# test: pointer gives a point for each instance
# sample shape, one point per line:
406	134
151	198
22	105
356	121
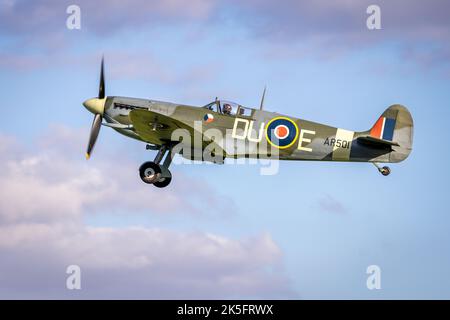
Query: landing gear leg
385	171
166	175
152	172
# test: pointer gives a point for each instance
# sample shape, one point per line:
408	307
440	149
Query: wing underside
154	127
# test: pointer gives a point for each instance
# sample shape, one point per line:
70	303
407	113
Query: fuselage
249	132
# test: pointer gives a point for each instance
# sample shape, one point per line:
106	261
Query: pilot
226	108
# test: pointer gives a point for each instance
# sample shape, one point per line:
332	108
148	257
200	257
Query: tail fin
394	128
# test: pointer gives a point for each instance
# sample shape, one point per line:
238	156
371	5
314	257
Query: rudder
395	125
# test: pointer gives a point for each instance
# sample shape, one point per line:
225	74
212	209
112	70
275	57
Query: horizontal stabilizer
377	142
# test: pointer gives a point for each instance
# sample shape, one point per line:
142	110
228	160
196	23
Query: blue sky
309	231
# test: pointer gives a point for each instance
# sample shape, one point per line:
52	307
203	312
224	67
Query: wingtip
87	156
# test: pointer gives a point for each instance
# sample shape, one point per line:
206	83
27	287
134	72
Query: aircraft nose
95	105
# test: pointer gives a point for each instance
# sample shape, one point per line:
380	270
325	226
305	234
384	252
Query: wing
157	129
154	127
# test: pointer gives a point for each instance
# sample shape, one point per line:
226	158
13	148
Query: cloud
46	194
35	34
329	204
329	29
136	262
36	185
100	17
19	63
345	20
146	66
416	31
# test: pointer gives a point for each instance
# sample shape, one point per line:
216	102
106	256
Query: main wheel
385	171
149	172
163	182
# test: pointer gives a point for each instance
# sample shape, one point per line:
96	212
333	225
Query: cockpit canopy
228	108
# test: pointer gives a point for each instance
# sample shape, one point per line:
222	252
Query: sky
222	231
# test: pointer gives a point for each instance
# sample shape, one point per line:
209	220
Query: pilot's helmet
226	107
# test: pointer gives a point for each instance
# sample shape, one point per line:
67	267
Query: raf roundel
208	118
281	132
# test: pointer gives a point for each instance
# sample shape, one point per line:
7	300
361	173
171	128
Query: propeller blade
101	87
96	124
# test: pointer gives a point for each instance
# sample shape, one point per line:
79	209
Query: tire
165	181
162	183
149	172
385	171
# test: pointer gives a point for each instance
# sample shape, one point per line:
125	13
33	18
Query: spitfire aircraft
230	130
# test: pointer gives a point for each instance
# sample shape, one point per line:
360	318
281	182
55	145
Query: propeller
101	87
97	107
95	129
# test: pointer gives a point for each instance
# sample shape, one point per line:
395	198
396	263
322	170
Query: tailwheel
164	181
150	172
385	171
